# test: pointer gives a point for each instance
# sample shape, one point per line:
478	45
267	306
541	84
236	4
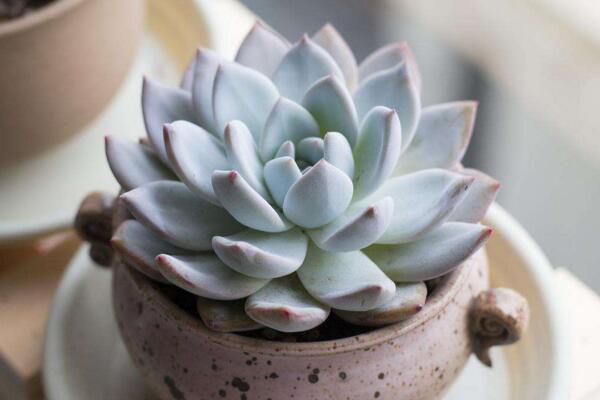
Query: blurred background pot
61	64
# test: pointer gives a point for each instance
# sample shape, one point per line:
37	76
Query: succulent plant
293	182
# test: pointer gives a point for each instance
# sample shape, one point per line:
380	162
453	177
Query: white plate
41	195
85	359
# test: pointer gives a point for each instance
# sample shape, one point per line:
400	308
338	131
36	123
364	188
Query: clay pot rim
435	304
46	13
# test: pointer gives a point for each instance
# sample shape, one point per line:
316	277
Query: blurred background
534	67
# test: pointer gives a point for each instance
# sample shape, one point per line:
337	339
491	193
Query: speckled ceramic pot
416	359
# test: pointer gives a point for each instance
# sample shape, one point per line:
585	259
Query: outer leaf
206	64
377	150
280	174
133	164
422	201
393	88
243	156
262	255
303	65
408	300
310	149
285	305
205	275
187	80
262	49
434	255
480	196
345	281
330	39
245	204
337	151
287	121
359	227
244	94
319	196
441	139
178	216
194	154
388	57
162	104
331	104
225	316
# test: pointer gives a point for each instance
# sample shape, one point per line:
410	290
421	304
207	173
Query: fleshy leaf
287	149
422	201
225	316
206	64
280	174
133	164
243	156
285	305
262	49
304	64
436	254
345	281
244	94
162	104
205	275
337	151
245	204
178	215
194	154
480	196
330	39
262	255
139	246
331	104
388	57
187	80
319	196
359	227
377	150
310	149
395	89
408	300
442	137
287	121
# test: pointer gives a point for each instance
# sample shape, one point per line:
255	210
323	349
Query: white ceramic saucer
41	194
85	359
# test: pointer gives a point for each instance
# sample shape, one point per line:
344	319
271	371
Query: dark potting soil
11	9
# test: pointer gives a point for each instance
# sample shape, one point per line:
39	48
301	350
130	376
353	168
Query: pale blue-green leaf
422	201
330	39
206	64
280	174
388	57
245	204
479	197
436	254
287	149
310	149
244	94
194	154
133	164
205	275
337	151
287	121
442	137
319	196
345	281
393	88
178	215
262	49
377	150
187	80
331	104
408	300
304	64
360	226
225	316
285	305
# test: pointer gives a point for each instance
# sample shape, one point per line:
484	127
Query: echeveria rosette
293	182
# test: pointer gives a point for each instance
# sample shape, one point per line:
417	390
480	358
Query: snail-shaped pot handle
497	317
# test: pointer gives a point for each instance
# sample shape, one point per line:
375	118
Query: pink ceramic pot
415	359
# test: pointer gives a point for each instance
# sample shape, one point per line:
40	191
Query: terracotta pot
415	359
60	66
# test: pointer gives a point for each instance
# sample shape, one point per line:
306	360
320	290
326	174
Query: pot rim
443	294
46	13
